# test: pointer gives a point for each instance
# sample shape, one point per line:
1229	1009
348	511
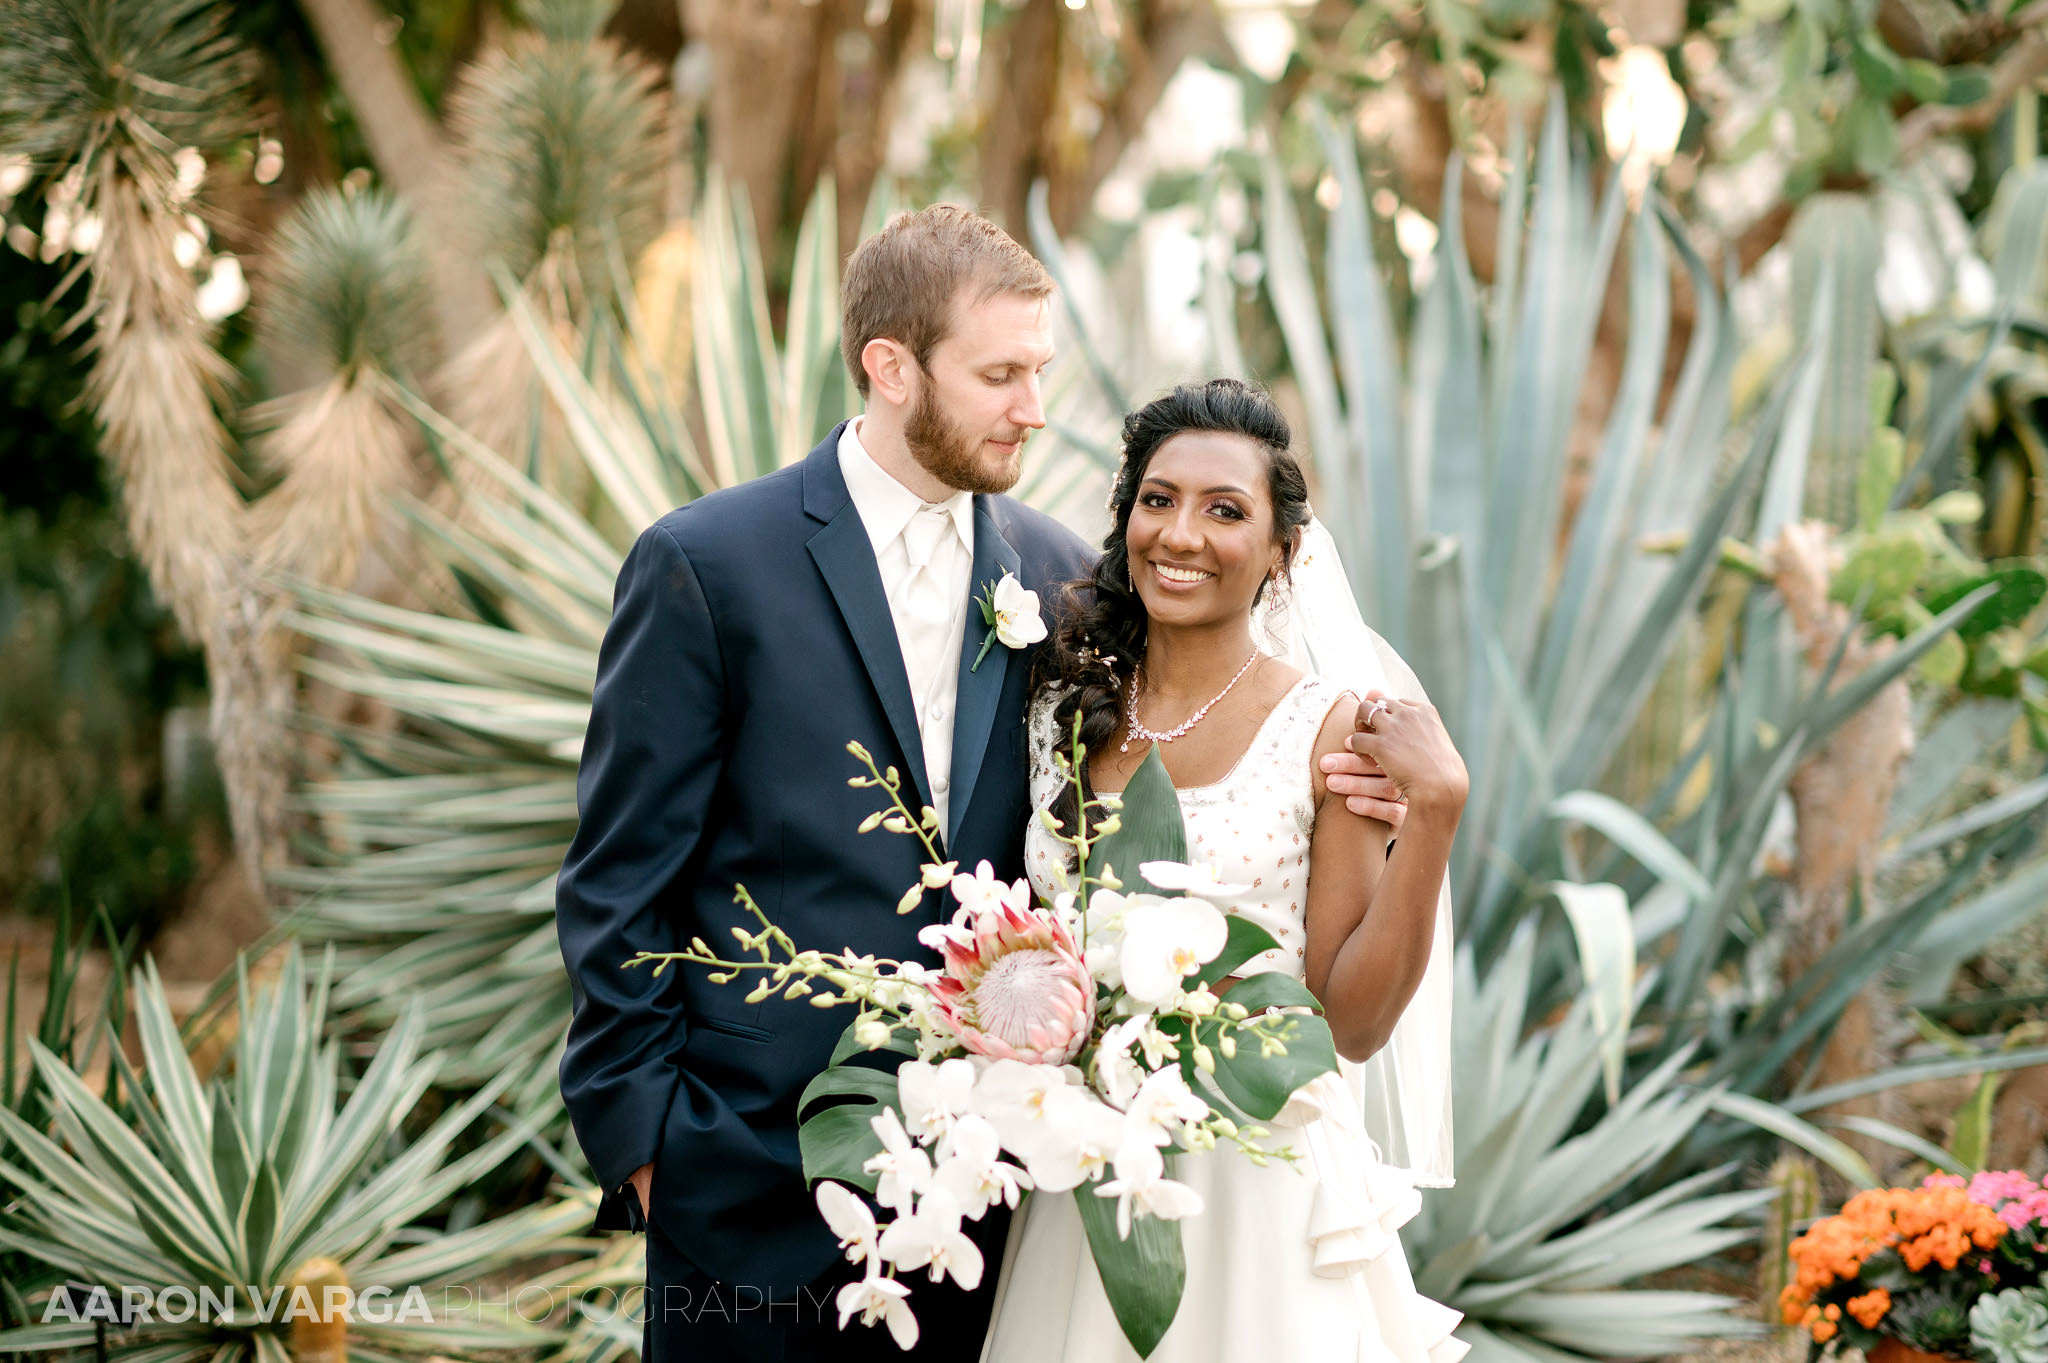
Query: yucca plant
347	301
106	98
238	1182
559	136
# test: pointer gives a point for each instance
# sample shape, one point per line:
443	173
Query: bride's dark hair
1100	637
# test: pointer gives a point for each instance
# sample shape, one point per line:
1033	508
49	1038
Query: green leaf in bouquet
1142	1276
1247	939
902	1041
1259	1086
836	1141
1150	827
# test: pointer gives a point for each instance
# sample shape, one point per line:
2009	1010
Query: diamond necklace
1135	730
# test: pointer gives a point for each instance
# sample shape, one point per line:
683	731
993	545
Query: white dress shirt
928	600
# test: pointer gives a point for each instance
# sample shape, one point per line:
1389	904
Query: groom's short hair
901	282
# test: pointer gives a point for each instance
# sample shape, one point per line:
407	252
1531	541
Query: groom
754	633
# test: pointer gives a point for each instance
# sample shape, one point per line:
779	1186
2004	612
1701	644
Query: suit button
941	786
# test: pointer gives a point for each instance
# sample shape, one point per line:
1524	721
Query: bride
1213	585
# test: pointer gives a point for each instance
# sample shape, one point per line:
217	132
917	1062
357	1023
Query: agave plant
1445	473
1521	1244
63	1033
237	1182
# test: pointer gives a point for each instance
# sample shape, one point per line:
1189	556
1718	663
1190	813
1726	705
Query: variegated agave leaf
233	1181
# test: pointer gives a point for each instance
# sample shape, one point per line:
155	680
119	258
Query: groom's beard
954	457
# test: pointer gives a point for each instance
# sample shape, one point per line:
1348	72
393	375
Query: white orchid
849	1219
880	1299
1024	1102
1017	621
1010	611
972	1169
1101	931
1164	941
1141	1187
1200	882
1163	1101
933	1096
1117	1075
1082	1140
903	1168
1106	912
983	891
931	1238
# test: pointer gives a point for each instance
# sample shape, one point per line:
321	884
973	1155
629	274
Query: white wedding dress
1290	1263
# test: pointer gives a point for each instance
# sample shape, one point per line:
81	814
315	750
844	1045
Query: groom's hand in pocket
642	1180
1365	787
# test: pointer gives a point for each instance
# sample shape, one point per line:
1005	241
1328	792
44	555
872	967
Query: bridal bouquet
1075	1045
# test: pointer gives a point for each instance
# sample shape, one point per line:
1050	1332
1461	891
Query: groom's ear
888	366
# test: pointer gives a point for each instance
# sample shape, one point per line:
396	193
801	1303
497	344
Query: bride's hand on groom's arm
1366	789
1405	758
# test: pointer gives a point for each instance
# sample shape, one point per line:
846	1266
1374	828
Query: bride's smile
1201	532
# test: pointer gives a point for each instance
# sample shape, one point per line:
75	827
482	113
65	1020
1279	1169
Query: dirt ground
223	915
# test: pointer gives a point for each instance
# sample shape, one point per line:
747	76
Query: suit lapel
846	559
974	712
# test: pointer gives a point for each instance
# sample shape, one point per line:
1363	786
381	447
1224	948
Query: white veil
1404	1089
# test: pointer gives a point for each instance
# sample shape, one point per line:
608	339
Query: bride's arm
1372	911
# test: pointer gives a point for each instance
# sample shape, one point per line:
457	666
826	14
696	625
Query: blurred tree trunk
408	149
1030	132
869	97
772	110
1019	140
1841	795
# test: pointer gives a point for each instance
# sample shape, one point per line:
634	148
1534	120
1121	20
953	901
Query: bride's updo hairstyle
1100	636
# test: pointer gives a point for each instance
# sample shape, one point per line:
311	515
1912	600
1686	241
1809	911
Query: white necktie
926	610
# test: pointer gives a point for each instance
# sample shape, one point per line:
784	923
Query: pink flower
2018	1200
1015	987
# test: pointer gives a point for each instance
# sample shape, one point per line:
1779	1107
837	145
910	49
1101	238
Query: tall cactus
1797	1184
1835	235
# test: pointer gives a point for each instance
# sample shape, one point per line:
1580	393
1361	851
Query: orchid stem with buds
925	825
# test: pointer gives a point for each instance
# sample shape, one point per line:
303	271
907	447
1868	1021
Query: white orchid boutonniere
1011	614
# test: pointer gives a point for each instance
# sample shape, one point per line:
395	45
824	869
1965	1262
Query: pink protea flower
1015	986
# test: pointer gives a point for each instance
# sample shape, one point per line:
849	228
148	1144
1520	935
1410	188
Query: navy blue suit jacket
750	641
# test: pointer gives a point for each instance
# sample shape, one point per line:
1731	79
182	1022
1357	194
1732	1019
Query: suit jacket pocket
738	1029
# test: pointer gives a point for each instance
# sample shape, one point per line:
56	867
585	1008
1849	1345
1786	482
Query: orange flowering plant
1910	1263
